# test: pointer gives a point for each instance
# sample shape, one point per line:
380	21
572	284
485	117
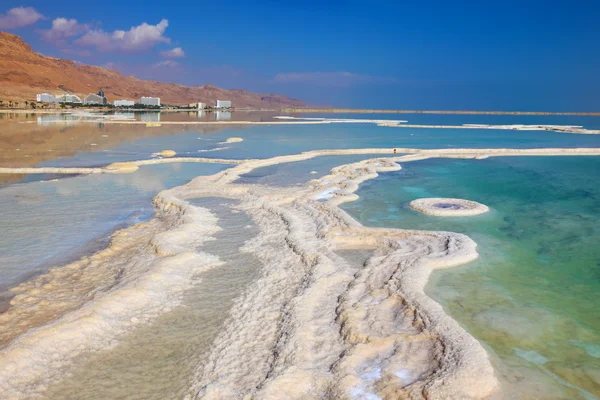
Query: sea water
533	295
107	143
46	223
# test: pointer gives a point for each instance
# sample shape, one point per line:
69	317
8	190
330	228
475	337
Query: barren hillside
24	73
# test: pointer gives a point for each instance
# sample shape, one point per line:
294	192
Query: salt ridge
313	325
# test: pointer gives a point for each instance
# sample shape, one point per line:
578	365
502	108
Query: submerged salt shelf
67	215
169	351
299	172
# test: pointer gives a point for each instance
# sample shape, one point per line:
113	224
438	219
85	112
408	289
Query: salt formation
313	325
444	207
165	153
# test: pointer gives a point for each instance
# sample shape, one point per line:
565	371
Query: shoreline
319	110
457	112
397	154
463	360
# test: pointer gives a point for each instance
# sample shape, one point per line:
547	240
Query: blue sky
511	55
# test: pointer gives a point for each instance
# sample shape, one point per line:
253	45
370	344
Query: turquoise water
533	295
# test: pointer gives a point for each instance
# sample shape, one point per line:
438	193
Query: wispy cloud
177	52
18	17
63	28
339	79
137	38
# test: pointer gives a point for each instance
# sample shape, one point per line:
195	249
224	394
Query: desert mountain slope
24	73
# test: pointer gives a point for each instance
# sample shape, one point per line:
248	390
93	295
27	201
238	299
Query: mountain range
24	73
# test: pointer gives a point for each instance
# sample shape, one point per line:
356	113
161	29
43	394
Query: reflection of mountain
28	144
24	73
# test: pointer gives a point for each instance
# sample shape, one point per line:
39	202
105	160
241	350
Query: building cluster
100	99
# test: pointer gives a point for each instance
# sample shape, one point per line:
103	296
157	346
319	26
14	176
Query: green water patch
533	296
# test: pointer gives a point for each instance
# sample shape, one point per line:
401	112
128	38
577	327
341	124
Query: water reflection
222	115
150	116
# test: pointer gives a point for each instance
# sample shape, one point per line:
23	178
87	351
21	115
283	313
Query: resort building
96	98
123	103
69	98
150	101
199	106
223	104
93	99
46	98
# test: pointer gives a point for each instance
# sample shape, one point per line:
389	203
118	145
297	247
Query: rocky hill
24	73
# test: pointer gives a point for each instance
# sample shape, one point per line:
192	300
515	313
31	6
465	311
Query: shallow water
49	223
159	360
299	172
532	297
101	144
535	285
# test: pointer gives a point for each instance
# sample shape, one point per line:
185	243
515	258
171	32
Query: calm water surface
532	297
533	294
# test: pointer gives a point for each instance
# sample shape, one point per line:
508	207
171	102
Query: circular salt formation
442	207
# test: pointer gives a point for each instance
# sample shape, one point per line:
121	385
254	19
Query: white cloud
341	78
177	52
63	28
137	38
18	17
166	64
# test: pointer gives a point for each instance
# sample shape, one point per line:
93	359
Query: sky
510	55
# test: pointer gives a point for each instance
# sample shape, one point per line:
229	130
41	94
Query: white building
69	98
223	104
94	99
150	101
46	98
123	103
